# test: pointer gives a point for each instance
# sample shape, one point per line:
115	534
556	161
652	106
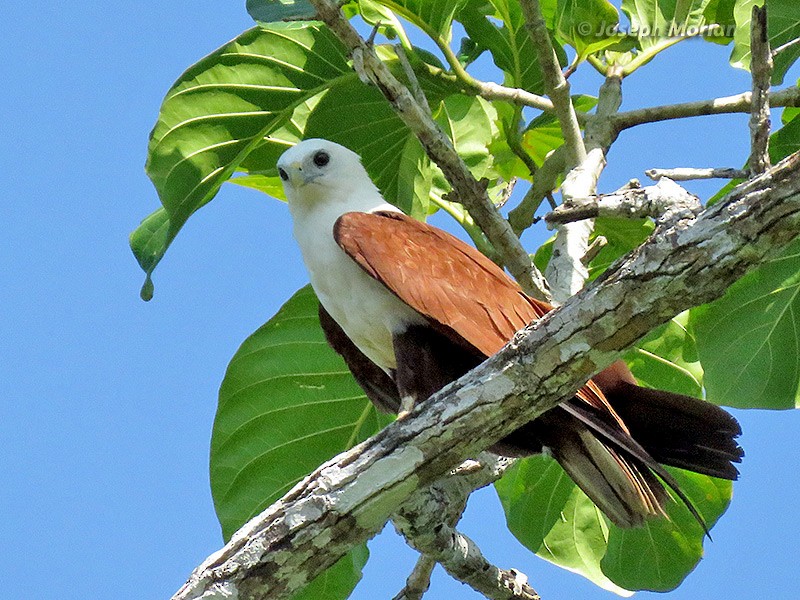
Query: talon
406	406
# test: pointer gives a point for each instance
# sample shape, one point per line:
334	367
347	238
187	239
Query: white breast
365	309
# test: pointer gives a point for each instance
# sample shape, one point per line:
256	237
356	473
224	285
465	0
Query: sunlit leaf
435	17
586	25
509	42
749	340
552	517
222	108
663	22
667	359
270	11
287	404
783	26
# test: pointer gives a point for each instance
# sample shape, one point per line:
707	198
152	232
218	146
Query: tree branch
567	271
348	499
688	173
761	70
471	193
664	202
740	103
419	581
427	521
554	83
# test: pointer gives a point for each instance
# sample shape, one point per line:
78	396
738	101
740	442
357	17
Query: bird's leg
426	362
406	406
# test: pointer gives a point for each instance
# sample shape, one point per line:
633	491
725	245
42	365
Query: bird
411	308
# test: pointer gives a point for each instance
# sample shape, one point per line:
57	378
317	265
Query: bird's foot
406	406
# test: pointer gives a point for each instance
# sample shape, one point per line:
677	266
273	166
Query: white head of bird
316	172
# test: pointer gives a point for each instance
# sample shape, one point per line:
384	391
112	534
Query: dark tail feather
615	479
627	446
678	430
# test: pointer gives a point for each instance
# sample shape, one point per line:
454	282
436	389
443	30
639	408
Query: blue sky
107	401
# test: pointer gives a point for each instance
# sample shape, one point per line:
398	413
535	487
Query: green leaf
270	11
389	151
287	404
434	17
543	134
222	108
148	242
662	23
586	25
509	44
659	555
667	359
552	517
786	140
783	26
471	123
749	340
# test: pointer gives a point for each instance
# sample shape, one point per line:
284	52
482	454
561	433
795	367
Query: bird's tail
619	470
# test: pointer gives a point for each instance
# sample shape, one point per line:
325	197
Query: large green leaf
270	11
783	26
662	22
435	17
749	340
509	43
543	134
552	517
221	108
586	25
667	359
287	404
661	554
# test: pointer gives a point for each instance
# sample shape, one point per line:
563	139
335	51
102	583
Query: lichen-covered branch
740	103
664	202
471	193
349	499
419	580
689	173
567	271
761	70
427	521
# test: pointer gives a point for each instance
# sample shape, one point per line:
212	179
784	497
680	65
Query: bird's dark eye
283	174
321	158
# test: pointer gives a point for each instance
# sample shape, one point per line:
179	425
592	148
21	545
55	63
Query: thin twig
761	70
416	88
419	580
688	173
544	182
786	46
740	103
471	193
556	86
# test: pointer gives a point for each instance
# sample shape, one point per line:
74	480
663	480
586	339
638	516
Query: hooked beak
297	177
